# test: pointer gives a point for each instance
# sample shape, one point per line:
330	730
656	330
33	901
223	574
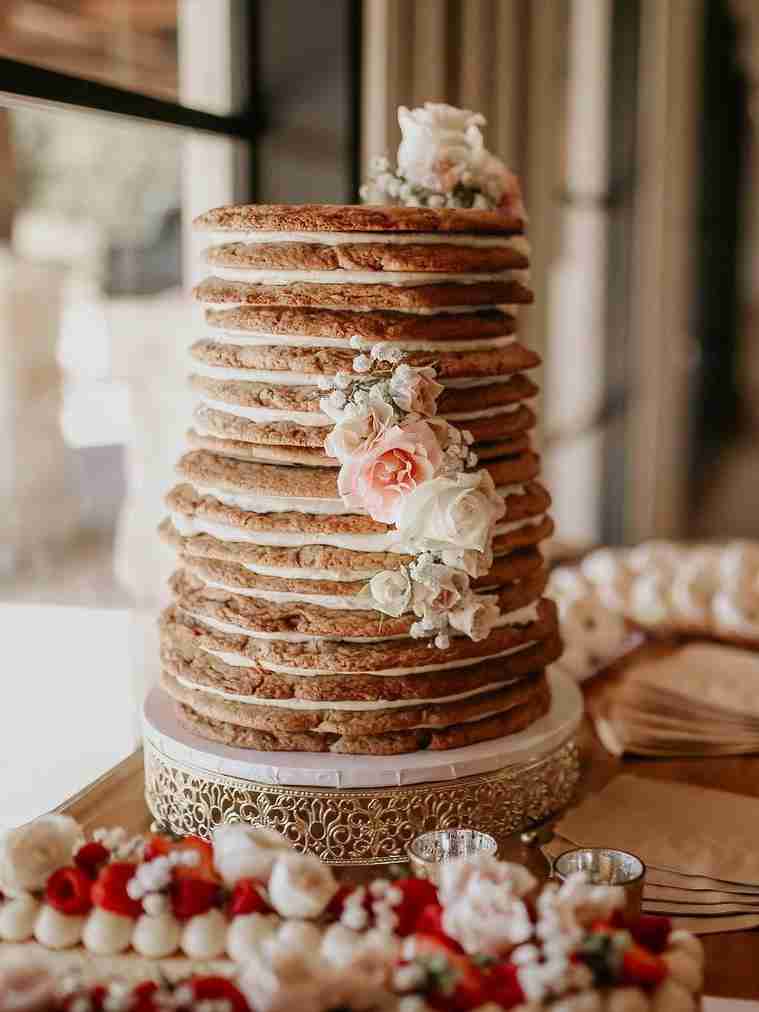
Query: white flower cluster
121	846
442	162
152	879
383	899
404	466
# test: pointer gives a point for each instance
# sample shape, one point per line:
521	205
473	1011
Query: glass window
93	332
146	46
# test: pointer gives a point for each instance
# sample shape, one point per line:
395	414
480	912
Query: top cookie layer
356	218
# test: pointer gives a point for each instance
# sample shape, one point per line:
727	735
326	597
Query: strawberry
109	889
335	906
156	845
456	984
640	967
651	931
503	985
192	896
143	997
213	989
204	868
90	857
246	898
68	890
418	893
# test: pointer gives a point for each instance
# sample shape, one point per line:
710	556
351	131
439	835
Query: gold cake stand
363	810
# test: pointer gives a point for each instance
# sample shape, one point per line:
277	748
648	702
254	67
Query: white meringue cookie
300	935
607	570
694	585
55	930
106	933
246	934
649	602
680	939
739	565
626	999
17	918
205	935
339	944
654	554
156	937
736	613
684	969
670	996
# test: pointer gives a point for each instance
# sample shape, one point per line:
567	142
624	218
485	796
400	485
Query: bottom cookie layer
393	743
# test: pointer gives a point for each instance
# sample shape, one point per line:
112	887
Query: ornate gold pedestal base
357	826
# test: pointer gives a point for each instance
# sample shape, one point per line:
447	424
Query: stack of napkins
700	846
703	699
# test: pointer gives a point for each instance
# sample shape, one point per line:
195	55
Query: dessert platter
245	922
358	640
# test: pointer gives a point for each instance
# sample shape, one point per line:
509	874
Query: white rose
365	980
30	854
587	902
283	978
444	512
476	616
457	878
390	591
439	145
300	886
242	851
415	389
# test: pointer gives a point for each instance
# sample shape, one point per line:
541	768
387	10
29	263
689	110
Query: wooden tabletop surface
732	960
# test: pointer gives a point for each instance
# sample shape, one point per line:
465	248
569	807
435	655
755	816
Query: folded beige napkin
677	827
702	699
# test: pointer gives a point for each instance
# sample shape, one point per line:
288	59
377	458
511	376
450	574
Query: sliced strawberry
204	867
157	845
503	985
143	997
337	903
109	890
246	898
418	893
91	857
69	890
430	922
651	931
458	988
212	989
640	967
193	896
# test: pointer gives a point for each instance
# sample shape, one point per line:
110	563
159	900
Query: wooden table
732	960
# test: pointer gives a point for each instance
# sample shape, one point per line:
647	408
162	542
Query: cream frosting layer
416	311
258	502
317	419
247	339
515	242
189	526
397	279
313	573
312	379
350	705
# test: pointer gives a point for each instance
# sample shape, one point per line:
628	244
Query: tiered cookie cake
358	520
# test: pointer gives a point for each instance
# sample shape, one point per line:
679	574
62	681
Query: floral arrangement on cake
487	938
406	467
442	162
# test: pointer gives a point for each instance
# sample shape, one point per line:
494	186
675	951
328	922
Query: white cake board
316	769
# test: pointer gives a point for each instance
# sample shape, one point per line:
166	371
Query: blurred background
631	125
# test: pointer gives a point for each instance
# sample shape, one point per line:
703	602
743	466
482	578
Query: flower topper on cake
443	162
404	466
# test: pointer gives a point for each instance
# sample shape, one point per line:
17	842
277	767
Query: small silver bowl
428	852
604	866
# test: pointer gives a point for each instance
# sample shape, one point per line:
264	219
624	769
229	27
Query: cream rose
283	976
30	854
443	147
483	903
476	617
415	389
390	592
300	886
437	588
380	475
242	851
445	512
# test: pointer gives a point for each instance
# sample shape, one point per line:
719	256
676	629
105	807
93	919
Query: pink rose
378	475
415	389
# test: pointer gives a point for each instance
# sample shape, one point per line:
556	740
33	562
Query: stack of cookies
272	642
